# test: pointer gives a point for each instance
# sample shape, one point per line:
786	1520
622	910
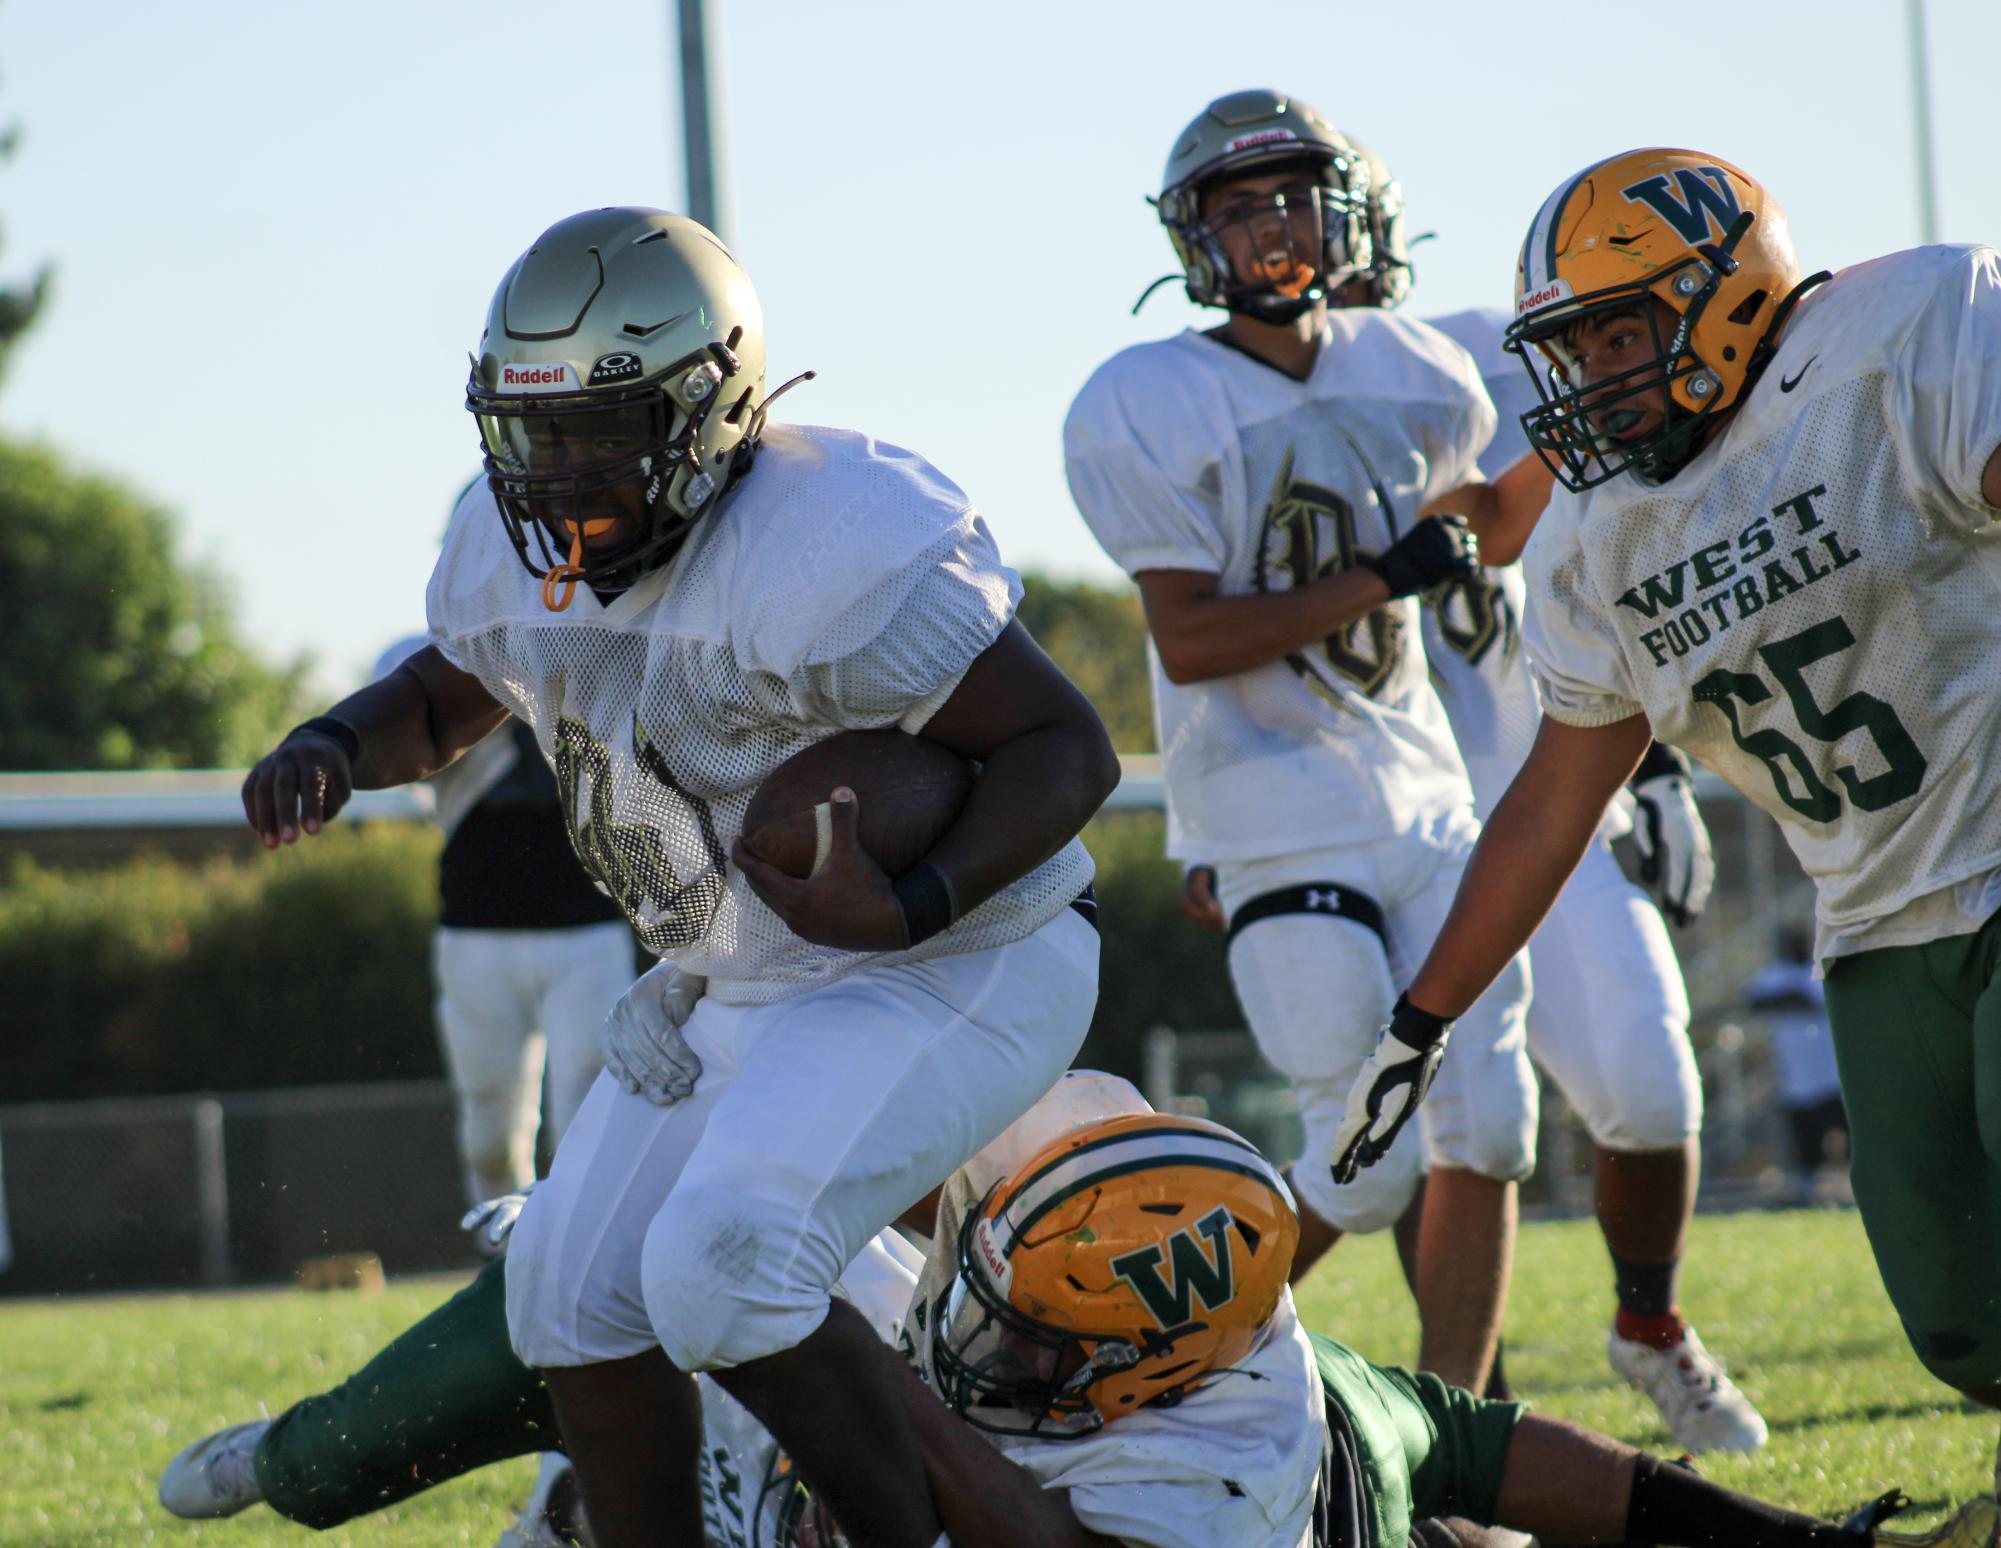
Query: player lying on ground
675	623
1777	549
1111	1332
1264	483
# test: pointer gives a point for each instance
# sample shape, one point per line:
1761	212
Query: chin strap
566	575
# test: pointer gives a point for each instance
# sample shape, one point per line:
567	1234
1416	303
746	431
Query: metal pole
702	135
1921	124
211	1191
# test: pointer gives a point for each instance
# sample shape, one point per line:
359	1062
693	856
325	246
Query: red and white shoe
1702	1406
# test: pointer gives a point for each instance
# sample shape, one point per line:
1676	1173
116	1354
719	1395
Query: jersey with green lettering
1812	607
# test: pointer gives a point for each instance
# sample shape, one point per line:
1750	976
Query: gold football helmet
1693	232
621	373
1262	131
1126	1263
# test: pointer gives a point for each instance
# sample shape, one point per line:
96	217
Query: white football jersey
845	584
1812	607
1472	627
1186	454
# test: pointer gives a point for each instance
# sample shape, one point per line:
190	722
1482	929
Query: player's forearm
414	721
985	1500
1217	636
1033	795
1502	514
1533	842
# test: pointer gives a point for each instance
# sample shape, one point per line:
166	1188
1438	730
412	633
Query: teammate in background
1794	1004
1153	1428
1264	483
812	1055
528	957
1776	549
1608	1018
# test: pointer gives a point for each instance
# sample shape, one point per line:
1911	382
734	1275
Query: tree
119	654
19	307
1097	634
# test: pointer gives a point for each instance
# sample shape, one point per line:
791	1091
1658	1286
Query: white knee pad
1316	990
1609	1021
1482	1110
732	1275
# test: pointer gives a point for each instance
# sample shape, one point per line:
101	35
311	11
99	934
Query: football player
1264	484
1608	1018
676	598
1108	1324
1776	549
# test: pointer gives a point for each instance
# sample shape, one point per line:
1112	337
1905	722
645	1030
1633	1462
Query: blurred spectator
528	957
1786	992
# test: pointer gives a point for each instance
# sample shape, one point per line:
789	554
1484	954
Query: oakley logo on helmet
1706	195
553	376
1262	137
1531	300
1196	1277
620	367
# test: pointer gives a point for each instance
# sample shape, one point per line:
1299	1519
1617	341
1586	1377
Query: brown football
910	790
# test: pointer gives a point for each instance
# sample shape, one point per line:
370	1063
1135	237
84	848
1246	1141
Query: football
910	790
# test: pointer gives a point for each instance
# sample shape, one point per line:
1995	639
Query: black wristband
339	732
924	895
1395	571
1416	1028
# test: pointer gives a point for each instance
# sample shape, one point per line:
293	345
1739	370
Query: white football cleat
215	1476
1703	1408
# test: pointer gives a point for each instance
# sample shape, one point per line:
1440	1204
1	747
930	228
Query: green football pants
1917	1037
443	1398
1424	1449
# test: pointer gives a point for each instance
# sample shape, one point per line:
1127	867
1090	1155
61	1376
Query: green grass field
96	1394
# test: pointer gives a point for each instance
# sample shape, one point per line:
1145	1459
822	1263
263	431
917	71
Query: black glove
1388	1087
1439	548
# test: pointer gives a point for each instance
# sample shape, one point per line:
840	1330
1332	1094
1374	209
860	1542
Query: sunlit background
275	228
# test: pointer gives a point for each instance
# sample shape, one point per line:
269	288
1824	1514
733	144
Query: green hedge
312	965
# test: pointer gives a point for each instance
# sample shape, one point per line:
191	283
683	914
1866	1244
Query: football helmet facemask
1696	234
1129	1262
1390	274
620	379
1322	225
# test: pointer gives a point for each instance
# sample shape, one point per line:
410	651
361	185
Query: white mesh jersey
1472	628
1812	607
1186	454
845	584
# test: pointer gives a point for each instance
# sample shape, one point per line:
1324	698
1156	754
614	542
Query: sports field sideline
96	1393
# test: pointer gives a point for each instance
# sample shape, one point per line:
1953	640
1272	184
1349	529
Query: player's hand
1198	898
1676	862
1439	548
1388	1087
300	785
643	1048
489	1221
847	904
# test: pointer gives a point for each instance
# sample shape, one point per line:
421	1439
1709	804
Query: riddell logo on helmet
552	376
997	1265
1555	290
1262	137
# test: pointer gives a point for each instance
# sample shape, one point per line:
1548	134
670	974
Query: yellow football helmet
1126	1263
1702	237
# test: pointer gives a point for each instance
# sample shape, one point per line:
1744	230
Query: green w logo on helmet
1705	195
1198	1275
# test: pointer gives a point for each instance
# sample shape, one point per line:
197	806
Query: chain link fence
205	1190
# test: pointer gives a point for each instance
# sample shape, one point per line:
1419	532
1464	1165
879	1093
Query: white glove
1676	863
643	1047
1388	1087
493	1219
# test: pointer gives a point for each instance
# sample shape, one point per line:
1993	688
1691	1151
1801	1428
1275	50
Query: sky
275	229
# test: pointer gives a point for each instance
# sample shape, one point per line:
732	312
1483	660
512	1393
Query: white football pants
510	1003
1609	1019
716	1228
1316	989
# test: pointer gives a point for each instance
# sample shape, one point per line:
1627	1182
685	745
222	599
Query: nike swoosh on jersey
1788	383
